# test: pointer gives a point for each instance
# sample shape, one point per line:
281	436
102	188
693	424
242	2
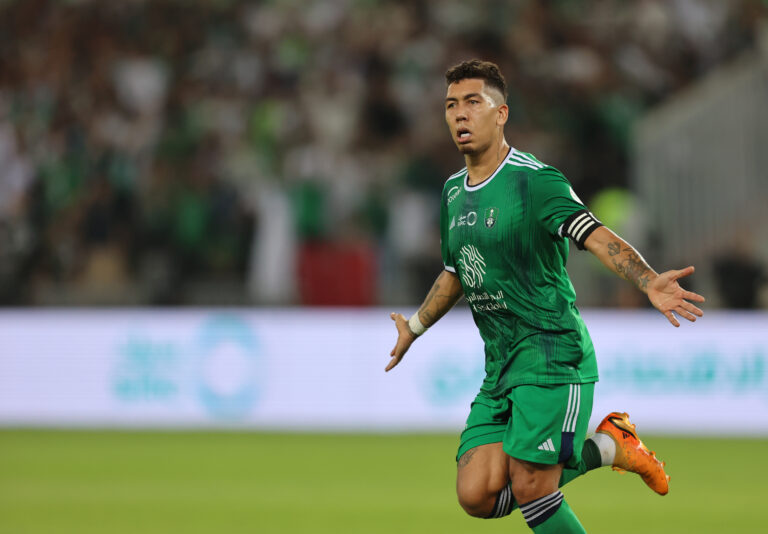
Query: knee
529	488
524	492
475	500
531	481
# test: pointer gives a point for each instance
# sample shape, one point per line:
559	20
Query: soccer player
505	221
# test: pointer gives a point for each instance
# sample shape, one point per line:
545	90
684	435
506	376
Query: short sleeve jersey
502	238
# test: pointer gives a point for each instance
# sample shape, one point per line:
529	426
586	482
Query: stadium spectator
188	119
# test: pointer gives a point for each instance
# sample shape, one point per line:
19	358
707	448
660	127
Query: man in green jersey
505	221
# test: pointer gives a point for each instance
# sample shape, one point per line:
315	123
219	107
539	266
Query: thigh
486	423
482	465
482	470
549	423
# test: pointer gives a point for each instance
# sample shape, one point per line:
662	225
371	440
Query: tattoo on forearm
424	311
430	298
438	302
467	457
630	265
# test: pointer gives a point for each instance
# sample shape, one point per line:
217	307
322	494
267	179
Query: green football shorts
545	424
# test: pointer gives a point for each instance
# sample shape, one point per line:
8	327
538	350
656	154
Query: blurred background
206	206
291	153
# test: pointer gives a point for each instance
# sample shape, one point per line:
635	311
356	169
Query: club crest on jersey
490	217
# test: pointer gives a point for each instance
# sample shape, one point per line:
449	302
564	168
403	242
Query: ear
502	115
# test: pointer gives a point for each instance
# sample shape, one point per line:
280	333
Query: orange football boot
631	454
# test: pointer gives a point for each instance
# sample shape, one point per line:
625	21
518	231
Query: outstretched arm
445	292
662	290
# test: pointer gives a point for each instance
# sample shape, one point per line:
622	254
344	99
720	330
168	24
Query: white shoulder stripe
523	160
519	164
528	158
531	159
457	174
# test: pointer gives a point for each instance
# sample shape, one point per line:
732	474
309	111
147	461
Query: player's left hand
667	296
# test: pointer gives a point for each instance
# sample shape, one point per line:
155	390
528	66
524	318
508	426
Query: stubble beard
473	150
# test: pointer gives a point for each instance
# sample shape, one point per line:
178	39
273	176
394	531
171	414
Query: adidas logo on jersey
547	446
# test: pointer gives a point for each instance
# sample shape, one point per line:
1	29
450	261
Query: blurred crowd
293	152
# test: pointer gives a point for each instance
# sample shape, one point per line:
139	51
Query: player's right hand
404	339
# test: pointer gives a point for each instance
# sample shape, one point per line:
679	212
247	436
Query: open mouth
463	135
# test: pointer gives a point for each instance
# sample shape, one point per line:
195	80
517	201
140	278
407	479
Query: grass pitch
146	482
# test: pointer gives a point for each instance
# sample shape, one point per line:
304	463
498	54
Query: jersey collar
485	182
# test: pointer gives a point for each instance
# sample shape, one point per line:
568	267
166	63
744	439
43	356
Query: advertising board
323	369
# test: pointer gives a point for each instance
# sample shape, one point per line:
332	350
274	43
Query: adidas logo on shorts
547	446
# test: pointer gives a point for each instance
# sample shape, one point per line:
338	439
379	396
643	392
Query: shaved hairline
496	96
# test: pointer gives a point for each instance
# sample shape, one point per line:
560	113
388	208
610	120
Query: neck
481	166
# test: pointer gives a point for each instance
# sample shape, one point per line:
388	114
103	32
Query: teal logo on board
490	217
219	367
227	366
146	370
702	371
453	378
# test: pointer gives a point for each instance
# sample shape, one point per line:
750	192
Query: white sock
607	447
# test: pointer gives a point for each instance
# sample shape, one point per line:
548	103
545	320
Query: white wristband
414	323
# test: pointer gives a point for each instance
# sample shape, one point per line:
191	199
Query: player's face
475	115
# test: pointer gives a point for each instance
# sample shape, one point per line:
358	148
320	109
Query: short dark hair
475	68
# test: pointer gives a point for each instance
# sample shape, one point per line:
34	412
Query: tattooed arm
445	292
663	290
620	257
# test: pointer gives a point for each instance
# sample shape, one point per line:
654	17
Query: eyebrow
470	95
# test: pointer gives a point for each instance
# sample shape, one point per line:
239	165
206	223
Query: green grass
146	482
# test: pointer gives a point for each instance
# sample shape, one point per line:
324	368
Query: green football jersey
505	238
